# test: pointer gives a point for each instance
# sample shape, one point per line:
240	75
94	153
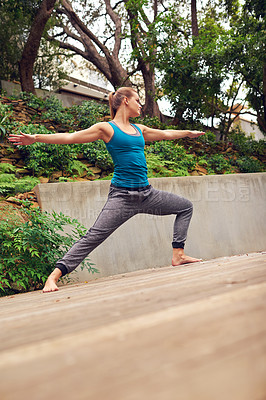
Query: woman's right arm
102	130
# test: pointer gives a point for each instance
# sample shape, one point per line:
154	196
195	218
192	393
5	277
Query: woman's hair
115	98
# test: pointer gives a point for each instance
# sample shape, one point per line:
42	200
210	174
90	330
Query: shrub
175	154
217	164
42	158
7	168
10	185
30	249
249	165
55	112
246	145
96	153
5	114
78	167
89	113
209	139
32	101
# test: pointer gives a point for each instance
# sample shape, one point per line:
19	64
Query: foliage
10	185
218	164
30	249
5	116
246	145
32	101
226	58
15	24
89	113
77	167
191	64
56	112
249	165
42	158
158	167
96	153
209	139
245	54
169	159
6	168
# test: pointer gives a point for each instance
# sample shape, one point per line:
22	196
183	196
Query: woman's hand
195	134
21	140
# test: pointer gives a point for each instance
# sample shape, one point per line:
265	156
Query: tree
246	55
196	69
104	47
16	19
30	50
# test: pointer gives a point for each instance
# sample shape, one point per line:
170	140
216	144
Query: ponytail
116	98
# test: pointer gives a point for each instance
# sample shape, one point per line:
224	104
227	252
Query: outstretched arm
95	132
150	134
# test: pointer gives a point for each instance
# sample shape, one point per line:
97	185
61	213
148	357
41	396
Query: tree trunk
194	19
262	117
150	107
32	45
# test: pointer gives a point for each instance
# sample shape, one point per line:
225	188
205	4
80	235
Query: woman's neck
121	118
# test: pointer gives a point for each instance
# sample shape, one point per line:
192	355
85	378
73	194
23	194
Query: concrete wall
229	218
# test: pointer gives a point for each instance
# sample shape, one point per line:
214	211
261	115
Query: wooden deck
194	332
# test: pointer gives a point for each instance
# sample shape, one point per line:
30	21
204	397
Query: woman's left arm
150	134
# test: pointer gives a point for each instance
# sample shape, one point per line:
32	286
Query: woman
130	192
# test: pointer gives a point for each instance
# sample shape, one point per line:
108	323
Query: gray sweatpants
121	205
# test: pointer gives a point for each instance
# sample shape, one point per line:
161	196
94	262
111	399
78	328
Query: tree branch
84	32
118	27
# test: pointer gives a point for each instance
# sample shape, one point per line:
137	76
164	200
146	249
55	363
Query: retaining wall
229	218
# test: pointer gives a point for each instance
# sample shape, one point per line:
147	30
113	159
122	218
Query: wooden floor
194	332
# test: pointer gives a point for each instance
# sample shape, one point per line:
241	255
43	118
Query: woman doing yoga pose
130	192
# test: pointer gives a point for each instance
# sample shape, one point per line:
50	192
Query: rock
195	173
43	179
13	200
20	164
93	177
56	175
95	170
23	171
201	170
86	163
6	161
35	204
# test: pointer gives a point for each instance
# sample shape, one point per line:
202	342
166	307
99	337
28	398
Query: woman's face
134	106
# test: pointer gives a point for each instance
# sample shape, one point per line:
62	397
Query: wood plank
196	332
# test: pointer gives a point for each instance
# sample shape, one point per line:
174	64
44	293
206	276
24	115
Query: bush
173	155
96	153
7	168
89	113
209	139
10	185
246	145
217	164
5	118
157	167
32	101
29	250
55	112
249	165
42	158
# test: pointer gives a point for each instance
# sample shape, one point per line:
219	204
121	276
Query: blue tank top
127	152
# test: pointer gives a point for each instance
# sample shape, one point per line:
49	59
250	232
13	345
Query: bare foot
185	260
179	258
50	284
